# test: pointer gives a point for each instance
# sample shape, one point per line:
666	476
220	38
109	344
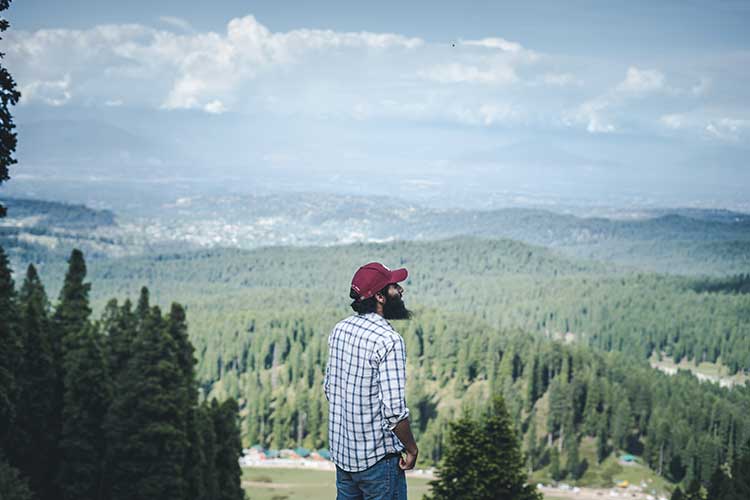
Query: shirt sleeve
327	379
392	375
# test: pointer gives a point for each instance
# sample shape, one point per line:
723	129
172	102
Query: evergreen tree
228	450
602	450
12	486
10	350
33	444
695	491
71	317
195	459
197	463
146	424
483	460
9	96
87	396
208	489
574	466
119	324
555	471
73	310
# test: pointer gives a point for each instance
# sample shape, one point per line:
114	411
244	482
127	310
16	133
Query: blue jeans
383	481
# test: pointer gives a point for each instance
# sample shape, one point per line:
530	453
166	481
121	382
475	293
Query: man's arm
392	371
403	432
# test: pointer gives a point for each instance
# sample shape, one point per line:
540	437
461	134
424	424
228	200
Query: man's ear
380	298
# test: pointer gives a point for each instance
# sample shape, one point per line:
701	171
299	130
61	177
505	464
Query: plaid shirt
364	384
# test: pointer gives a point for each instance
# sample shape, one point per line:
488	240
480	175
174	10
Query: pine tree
9	96
12	486
10	350
73	310
483	460
602	450
574	466
146	424
195	459
209	487
33	444
87	397
228	450
197	463
119	324
555	471
70	318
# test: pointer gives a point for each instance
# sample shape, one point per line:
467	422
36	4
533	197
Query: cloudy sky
634	100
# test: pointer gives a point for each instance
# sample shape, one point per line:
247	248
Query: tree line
105	409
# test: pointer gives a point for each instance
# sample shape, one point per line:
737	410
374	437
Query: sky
462	101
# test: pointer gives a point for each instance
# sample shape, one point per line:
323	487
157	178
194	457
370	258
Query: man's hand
403	433
407	462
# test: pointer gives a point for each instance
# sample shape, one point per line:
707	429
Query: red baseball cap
373	277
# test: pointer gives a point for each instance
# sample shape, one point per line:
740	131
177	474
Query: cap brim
399	275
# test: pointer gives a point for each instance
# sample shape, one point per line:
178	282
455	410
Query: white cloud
641	81
673	121
494	43
591	114
500	73
215	107
113	103
177	22
727	129
560	79
52	92
202	67
495	113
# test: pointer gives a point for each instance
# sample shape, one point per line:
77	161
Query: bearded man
365	383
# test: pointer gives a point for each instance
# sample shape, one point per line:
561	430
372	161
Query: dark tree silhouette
483	460
9	96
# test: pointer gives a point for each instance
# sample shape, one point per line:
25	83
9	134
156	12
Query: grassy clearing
713	371
297	484
608	473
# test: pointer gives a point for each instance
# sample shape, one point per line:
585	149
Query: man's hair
368	305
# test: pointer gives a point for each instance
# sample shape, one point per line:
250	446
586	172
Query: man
368	421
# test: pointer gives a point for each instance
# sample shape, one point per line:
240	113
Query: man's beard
394	308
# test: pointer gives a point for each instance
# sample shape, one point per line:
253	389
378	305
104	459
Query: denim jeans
383	481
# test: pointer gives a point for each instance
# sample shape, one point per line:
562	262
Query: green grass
608	473
297	484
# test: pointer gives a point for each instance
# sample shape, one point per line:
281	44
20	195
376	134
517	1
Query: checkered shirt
364	384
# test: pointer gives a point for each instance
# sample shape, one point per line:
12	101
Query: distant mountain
682	241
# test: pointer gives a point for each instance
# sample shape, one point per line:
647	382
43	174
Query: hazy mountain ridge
683	240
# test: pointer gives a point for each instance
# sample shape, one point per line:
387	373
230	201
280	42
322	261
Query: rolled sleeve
392	376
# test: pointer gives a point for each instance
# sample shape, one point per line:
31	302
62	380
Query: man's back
365	383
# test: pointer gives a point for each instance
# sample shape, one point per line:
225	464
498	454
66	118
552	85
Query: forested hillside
566	342
105	409
678	241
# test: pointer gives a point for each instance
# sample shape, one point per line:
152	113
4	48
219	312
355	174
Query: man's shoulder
372	324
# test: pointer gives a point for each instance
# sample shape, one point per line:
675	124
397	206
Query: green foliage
9	96
33	445
10	349
12	486
124	422
228	449
483	460
146	425
88	394
73	310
